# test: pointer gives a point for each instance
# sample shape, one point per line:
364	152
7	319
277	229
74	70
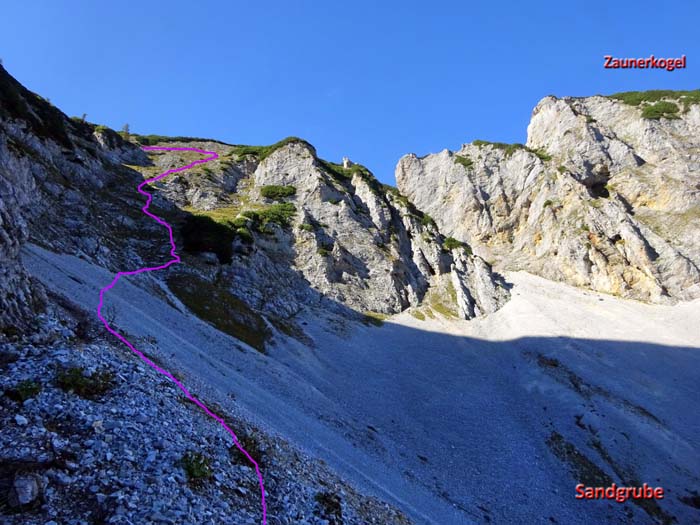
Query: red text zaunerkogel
651	62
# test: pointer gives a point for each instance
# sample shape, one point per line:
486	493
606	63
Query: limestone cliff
306	232
333	239
605	194
44	157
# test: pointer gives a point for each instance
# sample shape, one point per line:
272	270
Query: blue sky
368	79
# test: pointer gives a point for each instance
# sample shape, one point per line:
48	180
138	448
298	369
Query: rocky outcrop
18	296
264	233
348	242
46	159
341	241
600	197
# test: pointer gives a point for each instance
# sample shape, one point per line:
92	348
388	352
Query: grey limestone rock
600	197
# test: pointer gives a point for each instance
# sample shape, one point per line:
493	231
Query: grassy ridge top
150	140
260	152
636	98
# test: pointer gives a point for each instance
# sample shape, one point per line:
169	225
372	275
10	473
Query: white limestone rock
600	198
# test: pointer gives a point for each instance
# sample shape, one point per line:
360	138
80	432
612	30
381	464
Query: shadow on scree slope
477	421
474	421
501	431
599	411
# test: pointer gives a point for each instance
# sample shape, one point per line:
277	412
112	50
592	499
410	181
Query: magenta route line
175	259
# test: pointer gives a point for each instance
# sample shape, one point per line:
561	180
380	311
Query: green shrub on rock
661	109
277	193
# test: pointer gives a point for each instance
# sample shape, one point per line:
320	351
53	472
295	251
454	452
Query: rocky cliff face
605	195
307	232
70	186
16	290
333	238
50	169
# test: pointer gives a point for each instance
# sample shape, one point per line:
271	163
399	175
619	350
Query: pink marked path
175	259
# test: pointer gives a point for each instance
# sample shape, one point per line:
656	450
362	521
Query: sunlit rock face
599	197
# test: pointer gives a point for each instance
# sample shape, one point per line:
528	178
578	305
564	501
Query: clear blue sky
369	79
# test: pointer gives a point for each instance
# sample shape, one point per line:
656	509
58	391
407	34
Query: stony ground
93	435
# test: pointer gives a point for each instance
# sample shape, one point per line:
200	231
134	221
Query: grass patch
443	309
427	220
251	444
508	149
464	160
636	98
443	302
450	243
388	189
24	390
245	235
338	172
418	315
226	215
197	466
374	318
451	292
307	227
325	249
215	230
561	169
661	109
541	154
280	214
547	203
91	386
150	140
262	152
341	174
217	306
277	193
